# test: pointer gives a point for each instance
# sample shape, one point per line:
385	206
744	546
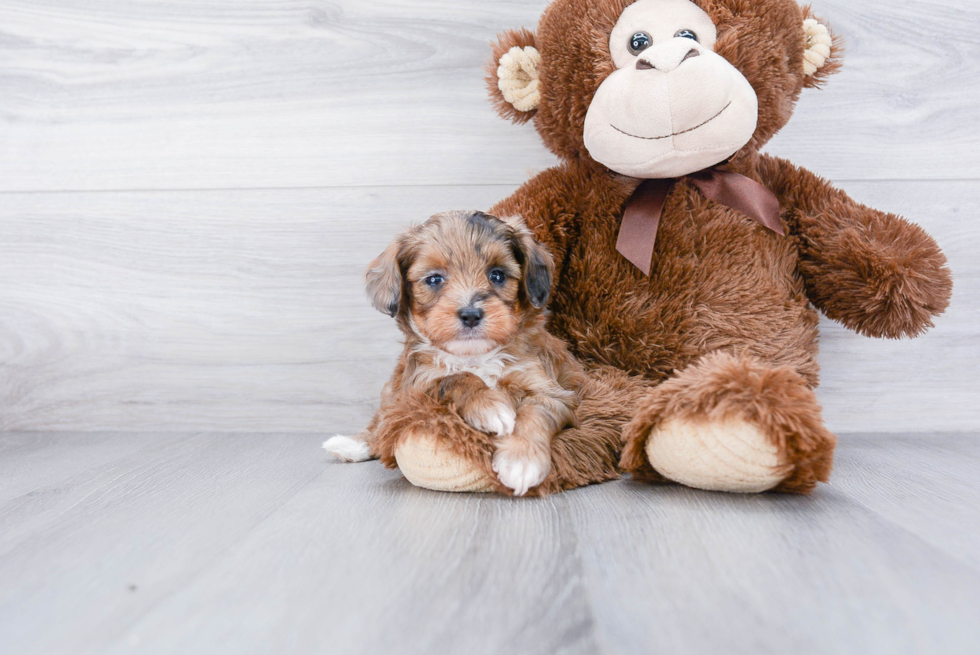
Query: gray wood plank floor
256	543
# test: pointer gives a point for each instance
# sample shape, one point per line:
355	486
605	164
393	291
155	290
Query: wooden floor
245	543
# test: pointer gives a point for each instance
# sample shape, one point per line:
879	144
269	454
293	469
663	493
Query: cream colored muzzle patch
818	43
730	455
517	77
426	465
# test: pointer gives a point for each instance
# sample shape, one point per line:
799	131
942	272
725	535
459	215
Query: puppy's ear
384	278
537	276
537	266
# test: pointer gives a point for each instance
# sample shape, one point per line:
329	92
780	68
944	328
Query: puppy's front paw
520	472
494	417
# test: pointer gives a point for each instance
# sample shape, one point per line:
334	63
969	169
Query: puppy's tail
347	449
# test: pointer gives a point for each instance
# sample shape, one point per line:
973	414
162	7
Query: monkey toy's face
660	88
672	106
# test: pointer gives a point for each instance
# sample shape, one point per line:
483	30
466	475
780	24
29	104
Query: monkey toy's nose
470	316
665	60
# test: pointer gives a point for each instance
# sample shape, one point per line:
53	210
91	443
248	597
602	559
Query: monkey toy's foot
433	446
731	423
428	464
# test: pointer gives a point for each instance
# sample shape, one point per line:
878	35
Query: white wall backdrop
190	189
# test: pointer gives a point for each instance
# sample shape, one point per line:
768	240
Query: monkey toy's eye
497	277
686	34
639	42
434	280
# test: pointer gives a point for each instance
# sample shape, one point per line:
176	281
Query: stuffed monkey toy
690	267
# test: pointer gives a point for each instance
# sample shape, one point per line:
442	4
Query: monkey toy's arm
876	273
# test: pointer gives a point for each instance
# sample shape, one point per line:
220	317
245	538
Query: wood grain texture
289	93
768	574
32	460
928	496
245	543
245	310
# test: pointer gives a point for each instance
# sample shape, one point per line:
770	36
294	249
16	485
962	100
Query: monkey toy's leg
433	446
731	423
589	452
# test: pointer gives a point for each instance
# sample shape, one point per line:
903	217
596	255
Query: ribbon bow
638	231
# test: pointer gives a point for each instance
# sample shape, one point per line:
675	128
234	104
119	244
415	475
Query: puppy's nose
470	316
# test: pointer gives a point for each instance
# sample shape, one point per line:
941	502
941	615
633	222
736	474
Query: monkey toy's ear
384	278
822	57
512	75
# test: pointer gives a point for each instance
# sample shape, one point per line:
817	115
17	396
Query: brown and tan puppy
468	291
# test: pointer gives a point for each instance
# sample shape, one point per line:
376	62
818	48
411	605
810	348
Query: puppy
468	291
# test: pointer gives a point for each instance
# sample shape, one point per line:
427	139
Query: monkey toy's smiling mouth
668	136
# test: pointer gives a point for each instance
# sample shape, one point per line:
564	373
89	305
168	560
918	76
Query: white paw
347	449
497	419
519	473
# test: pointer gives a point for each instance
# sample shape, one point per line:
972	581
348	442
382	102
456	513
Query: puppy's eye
497	276
434	280
639	42
686	34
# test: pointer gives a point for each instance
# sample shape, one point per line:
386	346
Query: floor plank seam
933	547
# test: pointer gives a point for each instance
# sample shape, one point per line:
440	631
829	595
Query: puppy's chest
490	368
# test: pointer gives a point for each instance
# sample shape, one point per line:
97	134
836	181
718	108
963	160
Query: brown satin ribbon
638	231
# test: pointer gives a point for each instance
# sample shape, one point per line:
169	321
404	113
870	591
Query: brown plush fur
514	38
726	324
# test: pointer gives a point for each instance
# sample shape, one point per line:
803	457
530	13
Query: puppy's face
465	282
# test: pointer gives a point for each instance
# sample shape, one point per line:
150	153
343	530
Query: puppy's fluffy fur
468	290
